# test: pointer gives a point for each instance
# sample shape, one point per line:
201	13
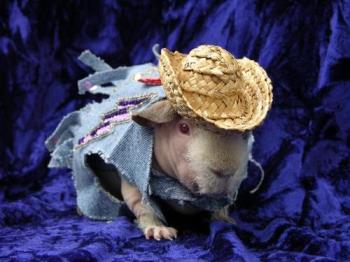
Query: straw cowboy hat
211	86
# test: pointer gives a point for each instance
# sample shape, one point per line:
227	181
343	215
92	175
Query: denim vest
106	129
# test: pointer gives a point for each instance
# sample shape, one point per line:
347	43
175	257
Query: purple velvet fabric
302	210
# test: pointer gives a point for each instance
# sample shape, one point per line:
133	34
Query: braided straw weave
211	86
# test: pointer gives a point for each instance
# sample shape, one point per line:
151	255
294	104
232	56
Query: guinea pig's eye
184	128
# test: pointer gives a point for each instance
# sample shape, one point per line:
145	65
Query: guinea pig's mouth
192	186
195	188
218	195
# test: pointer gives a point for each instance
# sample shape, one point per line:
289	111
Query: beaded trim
117	116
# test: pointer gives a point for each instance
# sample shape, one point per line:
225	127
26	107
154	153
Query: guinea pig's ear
157	113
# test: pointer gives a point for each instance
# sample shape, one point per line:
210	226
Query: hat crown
208	63
211	60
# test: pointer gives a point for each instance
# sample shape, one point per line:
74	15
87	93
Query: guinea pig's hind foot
223	215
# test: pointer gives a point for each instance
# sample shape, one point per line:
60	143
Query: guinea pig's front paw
160	232
152	227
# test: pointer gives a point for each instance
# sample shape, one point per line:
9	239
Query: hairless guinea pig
205	162
172	141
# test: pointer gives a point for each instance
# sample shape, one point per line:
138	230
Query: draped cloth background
302	210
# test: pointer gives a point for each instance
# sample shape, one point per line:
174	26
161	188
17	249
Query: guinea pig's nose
218	172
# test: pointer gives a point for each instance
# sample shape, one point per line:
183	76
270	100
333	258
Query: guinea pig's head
204	161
